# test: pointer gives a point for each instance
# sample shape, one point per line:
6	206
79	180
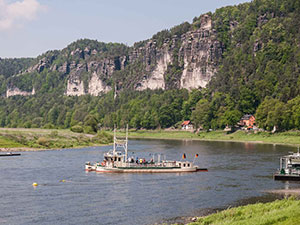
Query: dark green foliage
202	114
9	67
164	36
284	116
261	54
147	109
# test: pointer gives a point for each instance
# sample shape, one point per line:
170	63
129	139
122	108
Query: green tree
201	116
231	117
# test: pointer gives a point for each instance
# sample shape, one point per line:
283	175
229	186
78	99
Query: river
236	171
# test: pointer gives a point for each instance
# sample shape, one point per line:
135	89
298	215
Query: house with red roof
247	121
187	125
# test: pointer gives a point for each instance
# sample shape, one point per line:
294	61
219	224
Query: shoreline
268	197
215	140
285	192
65	139
284	139
244	210
28	149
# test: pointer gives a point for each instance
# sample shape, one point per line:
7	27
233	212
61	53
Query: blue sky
28	28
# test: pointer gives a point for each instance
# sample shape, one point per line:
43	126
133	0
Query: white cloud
16	13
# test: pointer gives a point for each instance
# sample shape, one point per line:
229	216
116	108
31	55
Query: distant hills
234	59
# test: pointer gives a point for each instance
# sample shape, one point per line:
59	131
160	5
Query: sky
29	28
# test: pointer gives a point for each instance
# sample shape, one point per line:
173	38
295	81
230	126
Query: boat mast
115	139
126	144
114	149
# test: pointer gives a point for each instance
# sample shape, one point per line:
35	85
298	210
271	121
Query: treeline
147	109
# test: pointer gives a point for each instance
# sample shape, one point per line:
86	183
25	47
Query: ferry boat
289	167
117	161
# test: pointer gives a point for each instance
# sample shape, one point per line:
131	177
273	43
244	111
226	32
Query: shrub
103	138
48	126
27	124
89	130
43	141
77	129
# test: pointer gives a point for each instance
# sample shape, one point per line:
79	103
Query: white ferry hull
148	170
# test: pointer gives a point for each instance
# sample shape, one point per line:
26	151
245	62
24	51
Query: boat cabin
184	164
290	164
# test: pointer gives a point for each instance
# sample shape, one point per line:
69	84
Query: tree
201	116
273	112
91	122
231	117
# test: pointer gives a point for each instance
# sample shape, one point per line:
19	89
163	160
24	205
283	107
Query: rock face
156	78
12	91
200	51
95	71
97	86
193	55
75	87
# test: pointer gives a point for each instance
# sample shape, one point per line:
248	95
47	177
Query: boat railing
145	164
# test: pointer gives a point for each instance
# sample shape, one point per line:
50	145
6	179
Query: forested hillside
10	67
239	60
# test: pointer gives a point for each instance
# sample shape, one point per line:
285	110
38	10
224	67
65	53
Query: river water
236	171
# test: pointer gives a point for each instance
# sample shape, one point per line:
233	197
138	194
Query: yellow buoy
34	184
63	180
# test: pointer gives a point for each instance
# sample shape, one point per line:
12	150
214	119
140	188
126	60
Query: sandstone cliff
94	69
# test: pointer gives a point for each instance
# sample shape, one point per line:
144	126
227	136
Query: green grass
49	139
279	212
291	137
7	143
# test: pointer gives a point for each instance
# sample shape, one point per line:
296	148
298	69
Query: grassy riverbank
290	137
30	139
279	212
35	139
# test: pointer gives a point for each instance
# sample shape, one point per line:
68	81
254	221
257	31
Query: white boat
117	161
289	167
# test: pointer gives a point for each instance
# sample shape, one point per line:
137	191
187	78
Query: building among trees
247	121
187	125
